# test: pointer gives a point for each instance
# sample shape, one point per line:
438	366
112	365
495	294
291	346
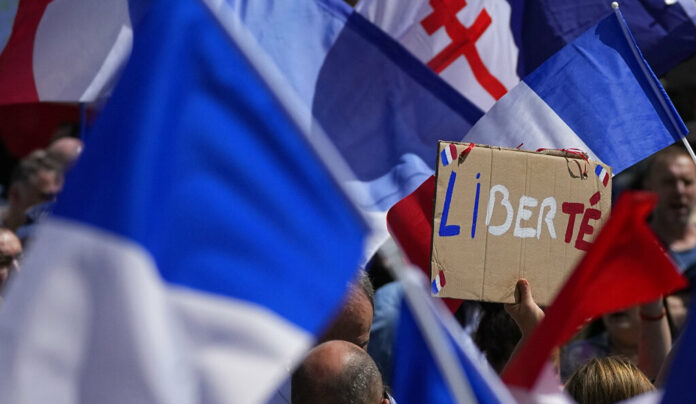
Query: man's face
674	181
354	322
41	187
10	249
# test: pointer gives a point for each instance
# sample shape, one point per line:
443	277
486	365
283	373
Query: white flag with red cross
467	42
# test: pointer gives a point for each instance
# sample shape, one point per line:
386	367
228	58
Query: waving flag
382	108
625	252
178	263
597	95
63	50
664	30
484	47
435	361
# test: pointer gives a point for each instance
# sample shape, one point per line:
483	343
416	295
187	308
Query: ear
384	401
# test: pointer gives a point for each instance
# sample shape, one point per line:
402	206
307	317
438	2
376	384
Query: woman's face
623	326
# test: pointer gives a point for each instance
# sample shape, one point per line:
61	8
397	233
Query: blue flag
664	30
435	361
680	378
199	244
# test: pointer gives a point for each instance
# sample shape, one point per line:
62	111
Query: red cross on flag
467	42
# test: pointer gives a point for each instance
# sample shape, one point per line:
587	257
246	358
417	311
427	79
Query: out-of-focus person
10	250
620	337
351	324
36	180
355	319
671	174
338	372
606	381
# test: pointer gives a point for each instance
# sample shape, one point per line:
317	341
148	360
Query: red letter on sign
572	209
463	42
585	228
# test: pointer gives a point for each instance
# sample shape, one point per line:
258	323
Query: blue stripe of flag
612	97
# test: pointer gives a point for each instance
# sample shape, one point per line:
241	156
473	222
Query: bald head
10	249
337	372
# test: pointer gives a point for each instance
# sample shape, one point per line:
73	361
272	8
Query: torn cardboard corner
504	214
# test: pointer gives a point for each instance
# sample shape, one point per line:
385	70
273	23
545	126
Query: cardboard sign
504	214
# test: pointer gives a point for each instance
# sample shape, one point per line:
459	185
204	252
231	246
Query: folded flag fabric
382	108
469	43
181	263
625	252
596	95
435	361
484	47
64	51
665	31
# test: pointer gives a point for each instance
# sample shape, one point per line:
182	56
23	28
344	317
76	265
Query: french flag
602	174
597	95
448	154
171	271
64	50
438	283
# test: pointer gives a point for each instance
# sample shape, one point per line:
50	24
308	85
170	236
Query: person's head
496	335
65	151
623	327
671	174
355	319
37	179
10	249
337	372
607	380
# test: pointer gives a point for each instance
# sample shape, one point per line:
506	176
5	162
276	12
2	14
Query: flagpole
653	86
434	335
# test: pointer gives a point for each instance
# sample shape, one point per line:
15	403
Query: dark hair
363	280
497	335
29	166
607	380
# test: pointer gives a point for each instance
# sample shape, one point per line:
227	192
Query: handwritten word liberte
499	197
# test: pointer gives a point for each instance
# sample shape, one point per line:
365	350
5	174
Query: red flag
626	266
410	223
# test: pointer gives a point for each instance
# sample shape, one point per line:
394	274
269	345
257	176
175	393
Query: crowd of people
618	356
615	357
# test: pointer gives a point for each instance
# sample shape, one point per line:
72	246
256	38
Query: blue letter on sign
451	230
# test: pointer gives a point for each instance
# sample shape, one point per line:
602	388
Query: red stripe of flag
16	60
